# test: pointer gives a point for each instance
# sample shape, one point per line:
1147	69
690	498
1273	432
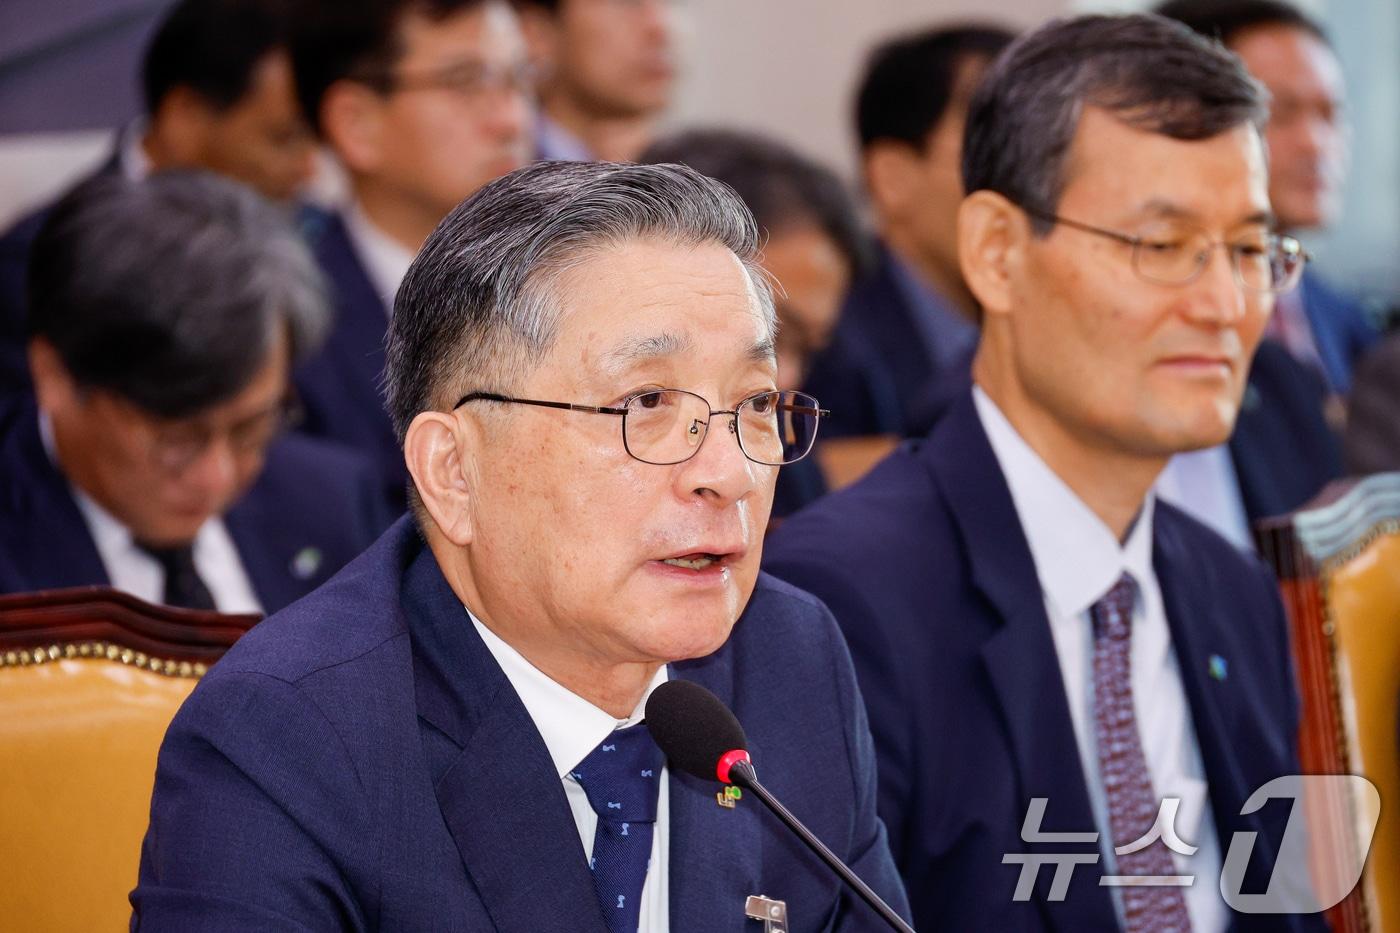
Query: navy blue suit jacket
1340	329
314	507
929	574
877	372
340	386
361	762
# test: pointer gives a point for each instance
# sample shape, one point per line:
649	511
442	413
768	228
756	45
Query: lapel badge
728	797
306	562
1218	668
772	912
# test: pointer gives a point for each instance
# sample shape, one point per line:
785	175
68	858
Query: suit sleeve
1373	418
257	819
870	855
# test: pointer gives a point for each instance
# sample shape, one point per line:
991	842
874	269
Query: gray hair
172	291
1149	72
479	306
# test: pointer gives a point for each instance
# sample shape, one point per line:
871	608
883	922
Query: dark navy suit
314	507
884	360
927	569
340	385
360	762
1340	329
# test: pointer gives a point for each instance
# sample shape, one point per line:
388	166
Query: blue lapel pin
1218	668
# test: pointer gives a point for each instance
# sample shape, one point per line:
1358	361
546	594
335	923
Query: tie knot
622	775
1113	613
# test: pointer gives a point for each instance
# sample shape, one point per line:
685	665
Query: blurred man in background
912	324
1307	138
814	248
608	69
423	103
217	84
165	317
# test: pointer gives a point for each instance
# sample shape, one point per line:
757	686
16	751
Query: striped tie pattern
621	778
1132	805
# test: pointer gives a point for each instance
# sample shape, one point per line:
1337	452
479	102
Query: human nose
719	470
1217	295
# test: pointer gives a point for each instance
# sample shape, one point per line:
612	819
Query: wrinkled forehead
654	305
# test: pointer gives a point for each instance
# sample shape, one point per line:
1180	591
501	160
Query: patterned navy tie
1132	805
622	777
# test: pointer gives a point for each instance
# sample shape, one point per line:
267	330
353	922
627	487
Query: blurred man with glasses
1029	622
166	316
450	734
422	102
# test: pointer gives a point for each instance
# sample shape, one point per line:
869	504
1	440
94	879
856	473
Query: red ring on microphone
728	760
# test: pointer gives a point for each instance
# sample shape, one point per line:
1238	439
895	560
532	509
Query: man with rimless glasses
449	735
1052	657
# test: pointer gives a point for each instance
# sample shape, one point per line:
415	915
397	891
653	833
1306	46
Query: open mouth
694	561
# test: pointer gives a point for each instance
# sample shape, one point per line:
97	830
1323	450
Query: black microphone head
695	730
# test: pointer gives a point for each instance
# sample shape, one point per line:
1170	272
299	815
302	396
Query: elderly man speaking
448	735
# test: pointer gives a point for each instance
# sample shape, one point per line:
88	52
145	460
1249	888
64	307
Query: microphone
700	736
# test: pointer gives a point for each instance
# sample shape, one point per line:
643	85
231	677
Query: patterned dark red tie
1132	805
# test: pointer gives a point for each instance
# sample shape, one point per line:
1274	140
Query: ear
54	388
893	176
352	120
183	118
438	451
992	236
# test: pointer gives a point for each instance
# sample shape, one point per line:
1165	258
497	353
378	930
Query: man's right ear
352	121
53	386
992	233
438	452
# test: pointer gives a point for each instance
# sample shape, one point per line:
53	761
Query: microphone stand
743	774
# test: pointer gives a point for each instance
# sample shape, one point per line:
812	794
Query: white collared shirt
1078	560
132	570
571	728
1204	485
386	261
135	165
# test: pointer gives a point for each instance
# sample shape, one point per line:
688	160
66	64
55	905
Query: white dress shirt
134	571
1204	485
571	728
386	261
1078	559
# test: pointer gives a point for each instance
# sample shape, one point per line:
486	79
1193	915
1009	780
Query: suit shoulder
1214	559
307	470
354	615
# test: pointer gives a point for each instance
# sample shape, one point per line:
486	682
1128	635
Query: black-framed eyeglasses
667	426
1262	262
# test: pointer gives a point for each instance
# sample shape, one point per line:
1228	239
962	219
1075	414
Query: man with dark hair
1307	139
449	735
218	93
423	102
1049	653
815	247
165	318
607	70
912	324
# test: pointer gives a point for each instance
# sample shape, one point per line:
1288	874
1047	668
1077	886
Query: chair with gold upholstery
1338	561
89	680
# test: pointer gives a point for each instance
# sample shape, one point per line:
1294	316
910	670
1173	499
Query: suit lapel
1019	655
716	853
1196	636
500	797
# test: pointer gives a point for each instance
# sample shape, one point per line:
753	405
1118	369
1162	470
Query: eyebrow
636	351
1166	209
